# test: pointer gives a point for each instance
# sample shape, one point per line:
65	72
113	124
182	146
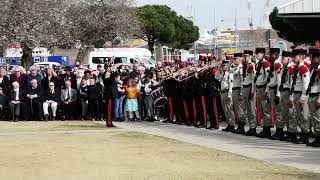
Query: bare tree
94	22
50	23
32	23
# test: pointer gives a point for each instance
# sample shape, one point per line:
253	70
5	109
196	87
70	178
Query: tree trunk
81	54
26	61
151	45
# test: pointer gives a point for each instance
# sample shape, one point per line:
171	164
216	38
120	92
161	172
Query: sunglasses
51	85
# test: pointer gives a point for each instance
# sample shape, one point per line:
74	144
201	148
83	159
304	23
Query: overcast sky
225	11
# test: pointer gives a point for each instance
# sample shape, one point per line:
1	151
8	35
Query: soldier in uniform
260	80
237	96
272	86
200	86
282	95
212	89
248	92
298	99
314	99
225	79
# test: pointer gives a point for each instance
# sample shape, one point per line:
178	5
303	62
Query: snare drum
158	98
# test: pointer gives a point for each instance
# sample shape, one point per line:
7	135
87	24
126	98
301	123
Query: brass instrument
194	71
184	73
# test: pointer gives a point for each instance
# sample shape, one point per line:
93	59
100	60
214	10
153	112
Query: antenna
250	14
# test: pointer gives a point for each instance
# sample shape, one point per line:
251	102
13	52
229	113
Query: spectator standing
118	102
49	77
19	78
4	87
93	92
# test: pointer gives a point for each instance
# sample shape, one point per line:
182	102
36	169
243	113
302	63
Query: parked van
120	56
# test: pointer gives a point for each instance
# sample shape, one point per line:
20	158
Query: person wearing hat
212	97
248	92
260	81
300	77
225	79
282	95
272	84
314	99
236	71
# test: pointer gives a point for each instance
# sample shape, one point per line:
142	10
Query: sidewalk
277	152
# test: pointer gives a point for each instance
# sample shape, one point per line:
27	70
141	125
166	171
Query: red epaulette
214	71
292	69
303	69
250	69
266	64
307	64
277	67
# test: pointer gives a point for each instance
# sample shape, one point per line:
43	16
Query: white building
16	52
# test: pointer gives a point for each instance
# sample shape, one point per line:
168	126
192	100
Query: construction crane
250	14
265	18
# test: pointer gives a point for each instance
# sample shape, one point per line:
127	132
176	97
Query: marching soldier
272	86
225	79
248	92
282	95
314	99
298	99
237	96
260	80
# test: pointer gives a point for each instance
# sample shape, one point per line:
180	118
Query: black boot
251	132
304	138
278	135
315	143
46	117
268	132
294	138
240	129
229	129
262	133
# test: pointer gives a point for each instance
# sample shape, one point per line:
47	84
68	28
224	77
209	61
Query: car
43	65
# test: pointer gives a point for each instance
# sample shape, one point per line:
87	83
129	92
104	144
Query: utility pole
236	31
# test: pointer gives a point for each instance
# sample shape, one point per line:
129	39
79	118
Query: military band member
282	95
248	92
225	79
260	80
314	99
237	96
212	98
298	99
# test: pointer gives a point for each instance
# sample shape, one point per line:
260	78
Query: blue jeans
118	112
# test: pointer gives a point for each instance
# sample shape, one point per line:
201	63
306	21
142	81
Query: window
119	60
36	59
99	60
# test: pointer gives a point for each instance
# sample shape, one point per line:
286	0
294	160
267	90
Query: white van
120	56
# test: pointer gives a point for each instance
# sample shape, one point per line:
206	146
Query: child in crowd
132	93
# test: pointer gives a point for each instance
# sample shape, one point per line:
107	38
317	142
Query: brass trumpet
194	71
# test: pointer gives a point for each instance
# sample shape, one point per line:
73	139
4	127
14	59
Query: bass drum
158	98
